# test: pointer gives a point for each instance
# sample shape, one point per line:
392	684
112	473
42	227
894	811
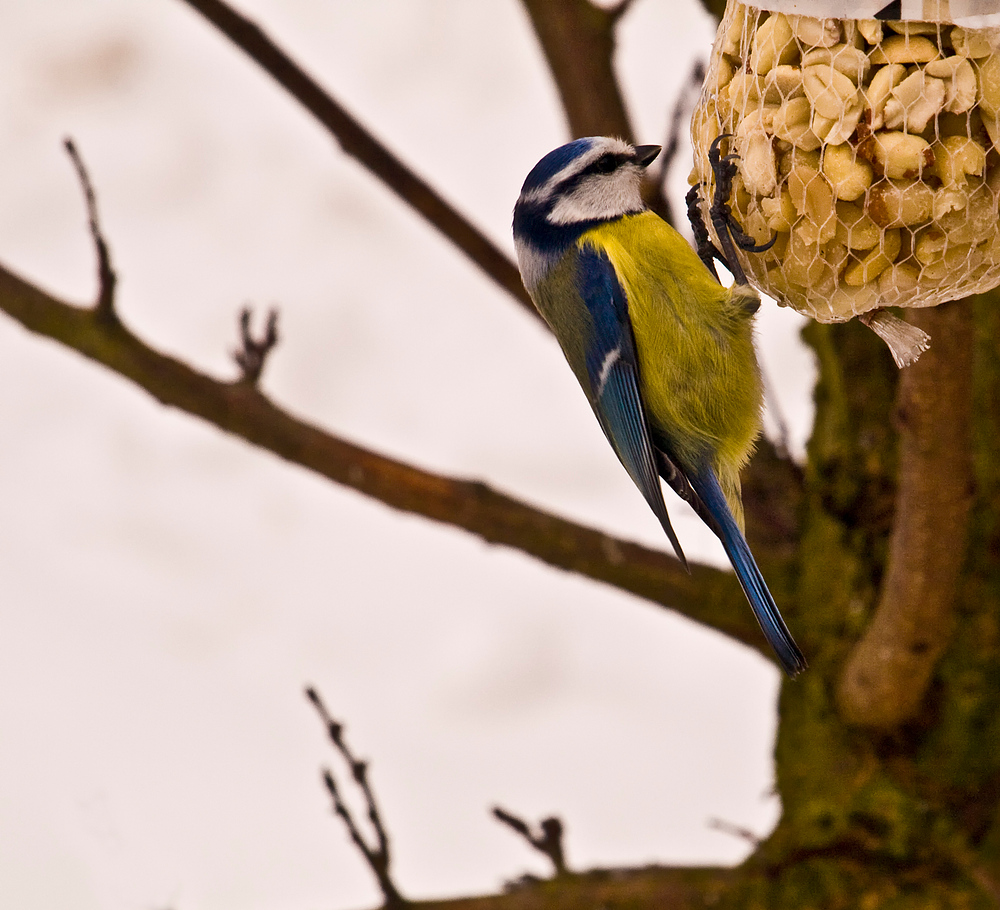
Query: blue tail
706	485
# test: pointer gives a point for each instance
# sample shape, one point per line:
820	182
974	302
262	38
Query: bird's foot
729	231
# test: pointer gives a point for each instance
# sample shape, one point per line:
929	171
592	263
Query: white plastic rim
967	13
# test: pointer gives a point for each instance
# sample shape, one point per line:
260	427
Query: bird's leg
727	228
707	250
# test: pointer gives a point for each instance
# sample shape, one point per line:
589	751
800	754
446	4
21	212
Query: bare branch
706	595
106	279
652	886
377	857
361	145
888	673
252	354
549	841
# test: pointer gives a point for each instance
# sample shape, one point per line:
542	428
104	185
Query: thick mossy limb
907	818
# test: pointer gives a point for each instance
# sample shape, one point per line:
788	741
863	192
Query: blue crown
555	161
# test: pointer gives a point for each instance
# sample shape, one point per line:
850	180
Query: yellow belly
698	370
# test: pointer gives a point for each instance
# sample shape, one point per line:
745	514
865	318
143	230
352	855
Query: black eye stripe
606	164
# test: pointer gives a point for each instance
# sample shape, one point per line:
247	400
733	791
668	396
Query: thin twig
376	856
106	278
679	119
361	145
549	841
252	355
726	827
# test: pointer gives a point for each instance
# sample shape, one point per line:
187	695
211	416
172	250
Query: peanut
878	91
792	123
905	49
960	82
875	263
779	211
900	203
855	229
955	158
901	154
815	32
850	61
803	263
914	102
829	91
871	30
898	283
974	43
813	200
989	85
773	44
848	174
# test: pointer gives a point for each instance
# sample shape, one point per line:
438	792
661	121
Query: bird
662	350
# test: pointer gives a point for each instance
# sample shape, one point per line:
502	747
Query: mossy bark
906	815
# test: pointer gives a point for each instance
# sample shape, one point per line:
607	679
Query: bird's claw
729	231
706	250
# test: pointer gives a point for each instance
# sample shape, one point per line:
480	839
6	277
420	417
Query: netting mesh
867	148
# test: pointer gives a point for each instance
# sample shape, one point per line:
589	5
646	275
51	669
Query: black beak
644	154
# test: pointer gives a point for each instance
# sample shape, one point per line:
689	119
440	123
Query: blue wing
613	371
719	518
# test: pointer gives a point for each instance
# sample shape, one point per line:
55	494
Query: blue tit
663	351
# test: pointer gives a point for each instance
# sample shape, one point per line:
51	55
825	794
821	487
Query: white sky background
166	592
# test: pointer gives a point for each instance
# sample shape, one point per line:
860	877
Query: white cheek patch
601	196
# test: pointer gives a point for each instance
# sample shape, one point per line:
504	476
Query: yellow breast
698	370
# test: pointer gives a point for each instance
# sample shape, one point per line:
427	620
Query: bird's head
576	186
587	180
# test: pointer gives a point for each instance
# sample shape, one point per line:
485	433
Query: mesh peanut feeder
867	148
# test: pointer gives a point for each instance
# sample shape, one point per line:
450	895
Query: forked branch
252	353
609	117
106	278
548	841
707	595
376	855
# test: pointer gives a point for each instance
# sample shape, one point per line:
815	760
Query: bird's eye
605	164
